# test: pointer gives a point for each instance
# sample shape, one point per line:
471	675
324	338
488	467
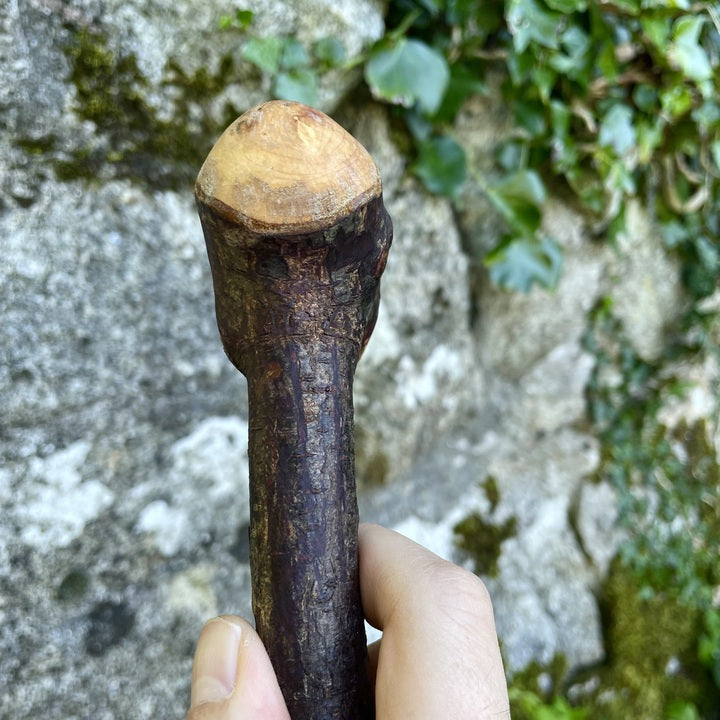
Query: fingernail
216	659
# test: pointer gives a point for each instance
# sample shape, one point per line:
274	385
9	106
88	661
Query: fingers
439	654
232	676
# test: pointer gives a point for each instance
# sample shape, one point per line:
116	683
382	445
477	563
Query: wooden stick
297	236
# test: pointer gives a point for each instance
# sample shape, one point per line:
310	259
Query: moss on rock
652	659
132	139
483	540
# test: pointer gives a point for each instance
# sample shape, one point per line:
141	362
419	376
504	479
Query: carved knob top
286	168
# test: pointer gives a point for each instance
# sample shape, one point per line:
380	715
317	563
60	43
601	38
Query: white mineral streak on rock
191	590
206	487
57	504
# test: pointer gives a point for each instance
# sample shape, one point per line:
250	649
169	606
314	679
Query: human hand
438	656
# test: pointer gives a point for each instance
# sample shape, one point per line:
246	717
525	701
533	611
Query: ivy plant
611	100
292	67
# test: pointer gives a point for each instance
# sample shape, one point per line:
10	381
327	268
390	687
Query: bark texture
294	312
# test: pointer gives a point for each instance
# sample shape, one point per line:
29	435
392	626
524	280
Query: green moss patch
652	659
482	541
132	141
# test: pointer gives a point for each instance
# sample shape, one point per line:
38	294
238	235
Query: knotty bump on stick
297	237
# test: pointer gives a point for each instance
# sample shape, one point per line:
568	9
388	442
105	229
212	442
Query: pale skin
438	656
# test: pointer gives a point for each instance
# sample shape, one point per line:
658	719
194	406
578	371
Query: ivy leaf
574	62
529	22
707	116
649	139
520	262
606	61
676	100
298	85
645	97
617	130
294	55
242	20
464	82
632	7
530	116
657	29
329	51
566	7
264	53
686	52
441	165
408	72
519	198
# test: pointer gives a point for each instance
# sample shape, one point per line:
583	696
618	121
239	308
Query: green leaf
682	710
441	165
674	233
241	20
566	7
676	101
420	127
632	7
617	130
298	85
606	61
645	97
529	22
409	72
649	138
264	53
544	78
329	51
531	117
707	116
657	29
520	66
294	55
462	12
509	155
519	199
709	644
686	51
464	82
519	263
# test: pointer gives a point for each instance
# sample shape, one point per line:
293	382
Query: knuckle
461	594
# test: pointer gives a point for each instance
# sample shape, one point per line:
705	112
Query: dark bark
294	313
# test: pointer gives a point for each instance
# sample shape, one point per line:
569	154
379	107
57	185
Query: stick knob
297	236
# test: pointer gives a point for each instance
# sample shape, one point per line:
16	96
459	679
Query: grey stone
597	525
543	594
54	504
417	377
552	393
418	374
645	284
207	477
482	125
97	324
515	330
123	482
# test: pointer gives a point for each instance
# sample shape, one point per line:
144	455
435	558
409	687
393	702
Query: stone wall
123	428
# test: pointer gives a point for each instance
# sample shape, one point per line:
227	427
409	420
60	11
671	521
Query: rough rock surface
123	456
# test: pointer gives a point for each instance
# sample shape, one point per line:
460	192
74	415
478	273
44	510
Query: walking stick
297	236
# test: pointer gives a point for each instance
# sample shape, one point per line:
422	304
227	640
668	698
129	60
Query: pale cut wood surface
283	167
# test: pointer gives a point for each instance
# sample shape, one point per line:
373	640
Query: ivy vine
612	99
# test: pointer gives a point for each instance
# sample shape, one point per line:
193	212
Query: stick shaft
303	532
294	313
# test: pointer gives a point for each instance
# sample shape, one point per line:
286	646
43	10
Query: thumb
232	677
